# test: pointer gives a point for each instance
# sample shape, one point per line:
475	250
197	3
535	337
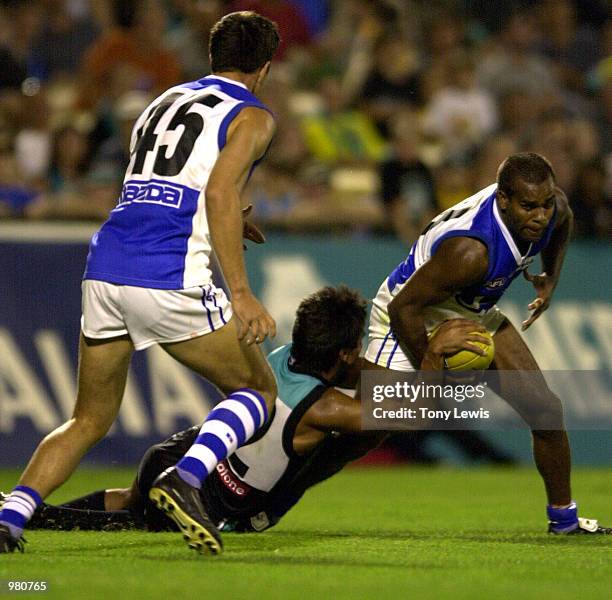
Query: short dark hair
242	41
328	321
528	166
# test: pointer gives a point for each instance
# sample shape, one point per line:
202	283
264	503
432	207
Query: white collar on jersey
508	236
227	80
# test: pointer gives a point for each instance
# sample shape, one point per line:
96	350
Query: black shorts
219	504
156	460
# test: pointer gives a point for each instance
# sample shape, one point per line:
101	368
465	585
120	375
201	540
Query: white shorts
384	350
150	316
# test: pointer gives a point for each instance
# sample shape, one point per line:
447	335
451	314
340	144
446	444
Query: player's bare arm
248	137
334	411
458	263
552	259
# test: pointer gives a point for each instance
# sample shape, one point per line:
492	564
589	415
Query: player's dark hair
528	166
328	321
242	41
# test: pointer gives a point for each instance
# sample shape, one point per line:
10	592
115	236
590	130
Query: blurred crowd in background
388	110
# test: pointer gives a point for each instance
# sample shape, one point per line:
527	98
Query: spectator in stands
19	24
443	37
67	32
15	193
518	111
32	141
407	185
394	84
130	55
339	134
461	114
591	202
381	56
572	49
12	71
289	17
490	155
316	13
513	65
356	28
604	111
110	159
70	195
188	39
452	183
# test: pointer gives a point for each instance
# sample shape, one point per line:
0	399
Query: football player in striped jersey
460	266
148	281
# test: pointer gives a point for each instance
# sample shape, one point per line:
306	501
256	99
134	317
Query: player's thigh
103	367
226	361
520	382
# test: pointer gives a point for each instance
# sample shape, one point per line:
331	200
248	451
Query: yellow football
466	360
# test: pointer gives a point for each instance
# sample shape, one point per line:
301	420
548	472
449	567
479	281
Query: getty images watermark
553	400
417	392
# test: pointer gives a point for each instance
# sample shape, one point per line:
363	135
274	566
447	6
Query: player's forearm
225	225
554	253
408	326
432	362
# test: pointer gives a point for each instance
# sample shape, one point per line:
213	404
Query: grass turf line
369	533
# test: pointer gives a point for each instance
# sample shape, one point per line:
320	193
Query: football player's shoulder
563	209
259	118
468	253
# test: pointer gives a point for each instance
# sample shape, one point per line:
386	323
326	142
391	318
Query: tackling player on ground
314	431
148	281
460	266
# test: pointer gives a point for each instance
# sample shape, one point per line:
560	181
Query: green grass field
366	533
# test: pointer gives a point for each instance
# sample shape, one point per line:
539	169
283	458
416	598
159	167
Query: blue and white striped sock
19	508
228	426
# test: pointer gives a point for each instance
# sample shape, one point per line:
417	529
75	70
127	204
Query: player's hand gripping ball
466	360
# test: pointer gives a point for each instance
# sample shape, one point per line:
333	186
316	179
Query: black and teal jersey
240	484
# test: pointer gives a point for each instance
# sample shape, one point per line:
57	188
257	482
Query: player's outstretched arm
552	259
458	263
248	137
334	411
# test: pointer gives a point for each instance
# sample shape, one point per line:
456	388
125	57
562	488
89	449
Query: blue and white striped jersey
157	236
476	217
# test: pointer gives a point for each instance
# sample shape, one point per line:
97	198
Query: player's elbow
215	195
399	311
394	310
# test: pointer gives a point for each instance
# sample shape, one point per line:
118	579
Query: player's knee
90	430
546	414
265	385
269	391
548	435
